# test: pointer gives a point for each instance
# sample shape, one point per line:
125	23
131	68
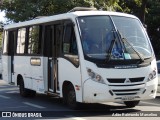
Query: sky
2	16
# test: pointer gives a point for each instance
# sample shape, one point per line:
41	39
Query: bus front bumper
94	92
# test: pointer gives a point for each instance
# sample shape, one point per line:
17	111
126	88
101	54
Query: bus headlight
95	77
152	75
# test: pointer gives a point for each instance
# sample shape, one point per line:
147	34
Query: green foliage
111	5
153	23
130	6
21	10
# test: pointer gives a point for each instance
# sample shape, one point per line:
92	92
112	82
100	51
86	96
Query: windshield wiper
125	40
109	52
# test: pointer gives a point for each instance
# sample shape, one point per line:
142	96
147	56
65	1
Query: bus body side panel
68	72
21	68
6	63
36	68
30	68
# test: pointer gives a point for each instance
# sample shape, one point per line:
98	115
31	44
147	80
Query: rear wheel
131	104
23	91
31	93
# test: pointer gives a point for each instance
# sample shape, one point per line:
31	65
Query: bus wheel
31	93
23	91
131	104
71	98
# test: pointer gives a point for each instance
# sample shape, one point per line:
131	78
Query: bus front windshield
113	38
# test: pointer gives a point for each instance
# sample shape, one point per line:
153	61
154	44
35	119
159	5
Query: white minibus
83	56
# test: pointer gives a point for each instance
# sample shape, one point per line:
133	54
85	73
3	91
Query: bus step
12	83
53	94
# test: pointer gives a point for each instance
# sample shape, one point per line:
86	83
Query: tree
152	21
143	10
21	10
146	10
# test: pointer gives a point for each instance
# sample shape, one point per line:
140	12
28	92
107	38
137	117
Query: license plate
128	98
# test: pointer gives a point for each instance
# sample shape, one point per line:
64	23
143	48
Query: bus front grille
122	80
124	92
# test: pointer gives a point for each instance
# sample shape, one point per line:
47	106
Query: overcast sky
2	17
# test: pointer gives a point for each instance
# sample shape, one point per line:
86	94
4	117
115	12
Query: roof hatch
83	9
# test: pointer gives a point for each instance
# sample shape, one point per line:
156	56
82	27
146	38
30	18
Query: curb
3	82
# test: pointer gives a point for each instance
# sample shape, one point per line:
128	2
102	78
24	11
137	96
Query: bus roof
69	15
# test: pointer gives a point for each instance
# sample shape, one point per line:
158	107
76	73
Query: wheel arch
65	85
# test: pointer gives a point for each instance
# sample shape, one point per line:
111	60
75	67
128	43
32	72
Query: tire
23	91
71	98
64	97
31	93
131	104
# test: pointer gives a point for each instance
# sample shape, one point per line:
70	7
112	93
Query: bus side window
21	41
5	42
48	41
70	49
12	37
70	45
34	45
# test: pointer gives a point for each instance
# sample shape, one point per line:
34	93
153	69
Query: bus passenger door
58	35
54	34
48	46
11	51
